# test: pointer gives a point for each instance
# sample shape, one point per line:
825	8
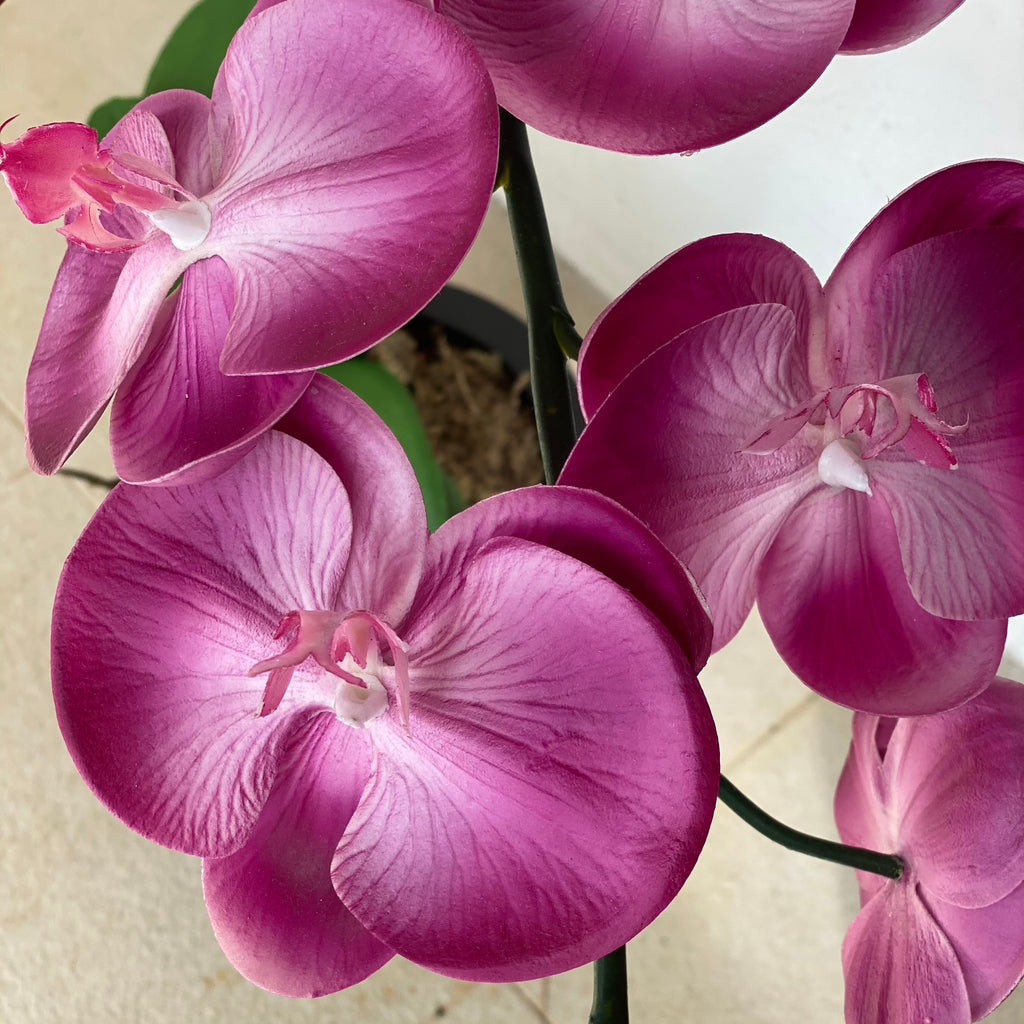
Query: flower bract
646	76
220	250
484	749
945	942
851	455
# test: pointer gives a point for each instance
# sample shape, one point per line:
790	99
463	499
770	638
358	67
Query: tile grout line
527	999
11	413
782	722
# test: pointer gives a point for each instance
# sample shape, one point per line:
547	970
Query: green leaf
108	113
390	399
193	54
190	58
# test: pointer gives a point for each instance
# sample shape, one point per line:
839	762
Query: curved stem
886	864
610	1003
552	334
90	478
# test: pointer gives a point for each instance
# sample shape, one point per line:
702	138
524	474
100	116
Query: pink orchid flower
644	76
484	749
326	193
945	942
852	455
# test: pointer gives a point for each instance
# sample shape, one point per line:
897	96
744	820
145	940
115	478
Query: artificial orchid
852	455
642	76
322	197
484	749
944	942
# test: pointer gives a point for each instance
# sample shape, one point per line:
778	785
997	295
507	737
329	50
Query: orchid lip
348	647
869	419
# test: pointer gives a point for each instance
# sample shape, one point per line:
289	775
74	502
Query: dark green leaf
193	54
389	398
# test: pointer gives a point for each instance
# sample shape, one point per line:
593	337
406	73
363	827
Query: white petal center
187	223
354	705
840	465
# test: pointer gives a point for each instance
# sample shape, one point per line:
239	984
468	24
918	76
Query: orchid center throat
363	653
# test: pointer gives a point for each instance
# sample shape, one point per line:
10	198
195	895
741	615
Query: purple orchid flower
326	193
852	455
649	77
944	943
484	749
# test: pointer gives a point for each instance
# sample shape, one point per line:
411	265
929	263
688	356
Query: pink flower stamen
347	647
866	420
59	170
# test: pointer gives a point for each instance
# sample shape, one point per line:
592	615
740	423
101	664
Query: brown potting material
478	424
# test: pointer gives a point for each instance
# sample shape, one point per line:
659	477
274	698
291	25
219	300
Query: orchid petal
513	825
954	305
861	798
989	943
96	326
389	521
150	656
141	133
690	407
694	284
176	412
835	601
348	233
272	906
651	77
899	967
590	528
970	195
38	166
882	25
184	119
955	776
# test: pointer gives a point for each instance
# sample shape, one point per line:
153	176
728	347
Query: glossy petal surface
943	791
389	522
645	76
883	25
833	597
380	742
689	412
272	905
709	277
518	789
150	655
361	169
899	966
176	412
340	174
590	528
96	326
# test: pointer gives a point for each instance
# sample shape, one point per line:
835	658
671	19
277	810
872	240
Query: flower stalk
553	337
885	864
611	1005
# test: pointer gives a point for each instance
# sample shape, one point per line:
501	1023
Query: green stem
610	1003
90	478
552	334
886	864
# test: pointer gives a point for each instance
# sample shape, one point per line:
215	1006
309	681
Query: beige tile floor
97	924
